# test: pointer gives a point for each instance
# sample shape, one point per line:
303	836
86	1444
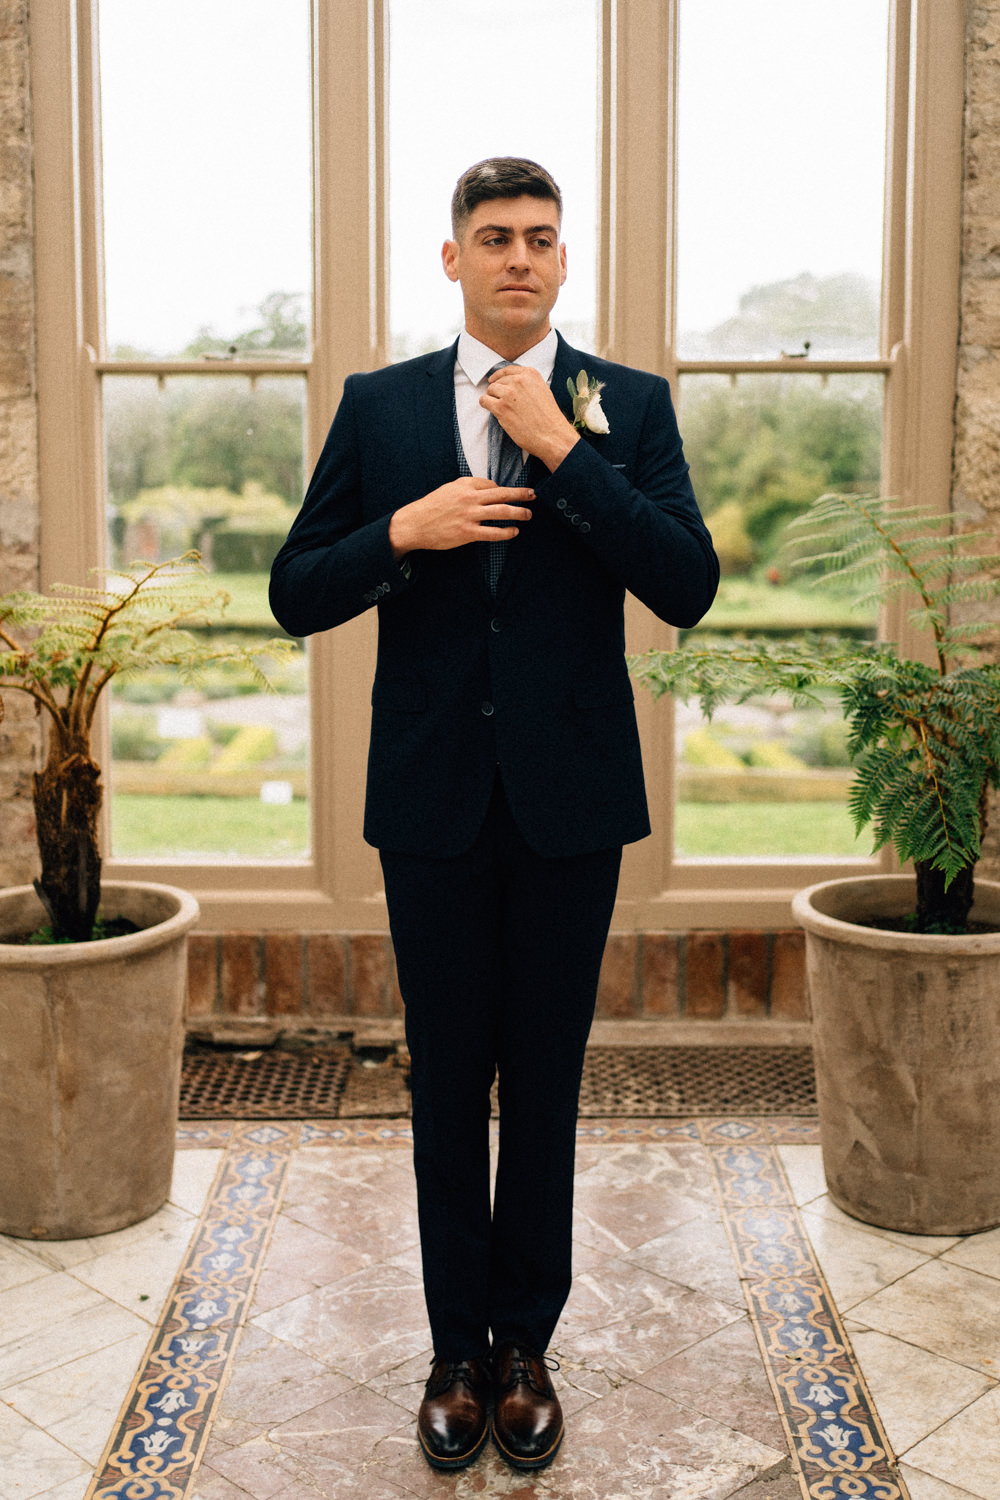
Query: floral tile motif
822	1402
830	1422
166	1420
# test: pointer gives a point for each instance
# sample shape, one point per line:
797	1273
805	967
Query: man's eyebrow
485	229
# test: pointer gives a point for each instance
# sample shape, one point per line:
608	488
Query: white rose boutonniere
588	414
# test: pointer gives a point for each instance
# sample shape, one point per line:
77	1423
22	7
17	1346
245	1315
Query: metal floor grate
711	1080
334	1083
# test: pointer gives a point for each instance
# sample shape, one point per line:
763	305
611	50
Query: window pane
764	778
461	89
781	142
218	770
205	110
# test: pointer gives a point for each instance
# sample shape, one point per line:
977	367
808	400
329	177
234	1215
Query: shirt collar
477	359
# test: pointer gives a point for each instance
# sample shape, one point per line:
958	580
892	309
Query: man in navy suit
496	524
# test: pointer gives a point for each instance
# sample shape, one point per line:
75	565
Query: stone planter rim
54	955
886	895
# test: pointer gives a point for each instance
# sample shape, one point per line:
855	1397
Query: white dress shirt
473	363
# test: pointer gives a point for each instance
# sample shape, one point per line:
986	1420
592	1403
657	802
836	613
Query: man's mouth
516	287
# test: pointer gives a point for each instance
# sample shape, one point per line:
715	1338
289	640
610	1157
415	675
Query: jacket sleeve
334	563
644	525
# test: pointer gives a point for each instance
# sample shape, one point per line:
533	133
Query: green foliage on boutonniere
588	414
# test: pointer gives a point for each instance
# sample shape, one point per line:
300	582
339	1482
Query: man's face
510	265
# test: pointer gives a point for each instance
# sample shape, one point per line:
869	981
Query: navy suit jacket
534	680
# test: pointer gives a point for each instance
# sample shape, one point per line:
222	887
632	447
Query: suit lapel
432	400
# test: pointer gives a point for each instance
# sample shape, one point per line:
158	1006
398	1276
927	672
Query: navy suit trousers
498	953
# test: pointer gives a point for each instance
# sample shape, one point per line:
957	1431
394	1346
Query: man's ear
449	259
562	262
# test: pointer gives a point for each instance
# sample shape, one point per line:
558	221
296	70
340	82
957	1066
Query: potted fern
902	969
92	976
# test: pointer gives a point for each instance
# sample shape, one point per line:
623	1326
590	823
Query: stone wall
976	488
19	503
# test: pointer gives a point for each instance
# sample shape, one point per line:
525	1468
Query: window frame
339	885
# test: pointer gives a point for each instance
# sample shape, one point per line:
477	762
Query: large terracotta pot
91	1040
906	1034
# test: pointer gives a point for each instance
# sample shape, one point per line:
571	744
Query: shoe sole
517	1462
461	1462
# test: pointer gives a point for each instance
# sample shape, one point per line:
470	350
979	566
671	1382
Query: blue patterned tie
505	466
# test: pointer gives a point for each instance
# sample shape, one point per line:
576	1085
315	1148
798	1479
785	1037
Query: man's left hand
523	404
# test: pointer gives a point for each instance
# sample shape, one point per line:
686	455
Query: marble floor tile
194	1173
32	1462
917	1391
273	1382
856	1265
804	1169
923	1486
640	1193
18	1265
77	1402
944	1309
696	1254
978	1252
362	1324
965	1451
627	1319
139	1275
73	1489
925	1244
300	1259
359	1205
63	1255
637	1442
55	1320
723	1377
361	1431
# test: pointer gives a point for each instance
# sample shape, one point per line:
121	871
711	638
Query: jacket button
574	519
560	505
584	525
486	707
496	627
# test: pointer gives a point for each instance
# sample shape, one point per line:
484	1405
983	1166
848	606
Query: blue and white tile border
832	1428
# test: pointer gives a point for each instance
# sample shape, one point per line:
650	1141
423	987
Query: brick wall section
305	976
19	504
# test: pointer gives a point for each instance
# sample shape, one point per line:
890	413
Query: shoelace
520	1372
457	1371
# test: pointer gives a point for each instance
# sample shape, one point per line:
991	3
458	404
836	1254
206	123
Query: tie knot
501	364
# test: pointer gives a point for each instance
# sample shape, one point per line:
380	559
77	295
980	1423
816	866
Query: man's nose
517	257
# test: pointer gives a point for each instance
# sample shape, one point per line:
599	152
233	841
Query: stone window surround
340	889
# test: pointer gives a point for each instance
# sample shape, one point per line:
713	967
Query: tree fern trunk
67	798
940	910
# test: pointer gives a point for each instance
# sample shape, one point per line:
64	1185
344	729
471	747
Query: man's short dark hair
500	177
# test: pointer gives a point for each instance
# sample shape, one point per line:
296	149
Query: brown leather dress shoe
527	1417
453	1420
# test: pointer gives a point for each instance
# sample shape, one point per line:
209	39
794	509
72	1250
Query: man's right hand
455	514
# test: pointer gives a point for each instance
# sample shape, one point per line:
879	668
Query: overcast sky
207	168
